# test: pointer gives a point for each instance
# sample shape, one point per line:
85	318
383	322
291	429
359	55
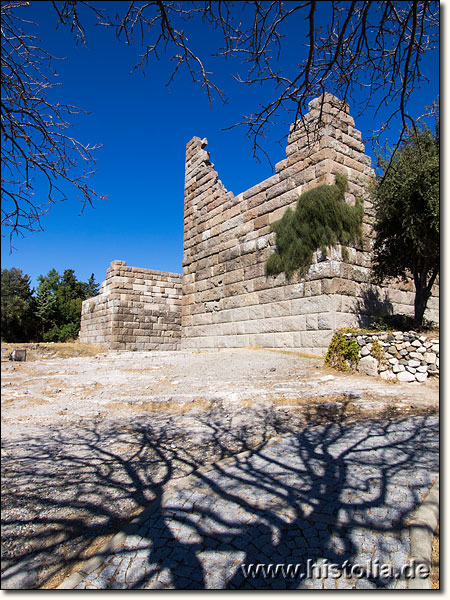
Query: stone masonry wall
137	309
224	298
227	299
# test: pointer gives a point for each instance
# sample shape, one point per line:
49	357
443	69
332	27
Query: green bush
321	219
343	352
69	331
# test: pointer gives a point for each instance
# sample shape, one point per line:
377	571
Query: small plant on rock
378	352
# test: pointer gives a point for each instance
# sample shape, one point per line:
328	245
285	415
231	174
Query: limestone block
406	376
316	339
277	309
283	340
264	340
271	295
261	187
368	365
311	304
256	312
388	375
247	327
296	290
294	323
311	322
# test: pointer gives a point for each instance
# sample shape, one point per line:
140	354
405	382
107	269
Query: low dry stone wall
405	356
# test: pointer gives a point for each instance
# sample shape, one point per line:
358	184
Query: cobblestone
276	507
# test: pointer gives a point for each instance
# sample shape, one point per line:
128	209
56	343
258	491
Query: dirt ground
89	436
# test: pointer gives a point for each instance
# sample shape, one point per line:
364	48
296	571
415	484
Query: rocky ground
88	439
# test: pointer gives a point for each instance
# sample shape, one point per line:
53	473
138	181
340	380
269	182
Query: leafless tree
36	144
369	50
371	47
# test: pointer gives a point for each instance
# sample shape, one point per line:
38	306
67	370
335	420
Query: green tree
17	306
59	299
321	219
46	301
92	288
406	200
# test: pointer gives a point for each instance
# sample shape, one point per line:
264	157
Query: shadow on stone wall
371	304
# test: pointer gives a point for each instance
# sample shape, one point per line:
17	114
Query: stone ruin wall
226	299
137	309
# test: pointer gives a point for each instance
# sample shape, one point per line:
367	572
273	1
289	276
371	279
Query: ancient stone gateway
223	299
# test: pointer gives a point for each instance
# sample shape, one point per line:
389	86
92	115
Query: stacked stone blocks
225	299
136	309
404	356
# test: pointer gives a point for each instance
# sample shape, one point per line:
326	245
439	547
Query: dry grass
52	350
435	561
197	403
30	400
290	352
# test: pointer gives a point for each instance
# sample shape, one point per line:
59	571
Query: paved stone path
332	493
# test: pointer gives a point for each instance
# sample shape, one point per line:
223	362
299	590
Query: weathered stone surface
368	365
145	315
430	357
405	376
388	375
421	377
413	363
18	354
227	241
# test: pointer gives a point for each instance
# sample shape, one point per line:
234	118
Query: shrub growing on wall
321	219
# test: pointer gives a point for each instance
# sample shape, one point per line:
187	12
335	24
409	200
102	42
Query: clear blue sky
144	127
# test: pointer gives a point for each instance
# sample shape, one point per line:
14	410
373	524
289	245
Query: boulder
421	377
368	365
387	375
19	354
405	376
413	363
430	358
364	351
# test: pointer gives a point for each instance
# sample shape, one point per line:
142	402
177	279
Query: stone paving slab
330	494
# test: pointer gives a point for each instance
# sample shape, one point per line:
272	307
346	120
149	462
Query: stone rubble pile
405	356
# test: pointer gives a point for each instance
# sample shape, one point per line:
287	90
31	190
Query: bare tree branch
372	51
35	140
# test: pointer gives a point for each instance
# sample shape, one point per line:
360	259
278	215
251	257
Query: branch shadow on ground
333	490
